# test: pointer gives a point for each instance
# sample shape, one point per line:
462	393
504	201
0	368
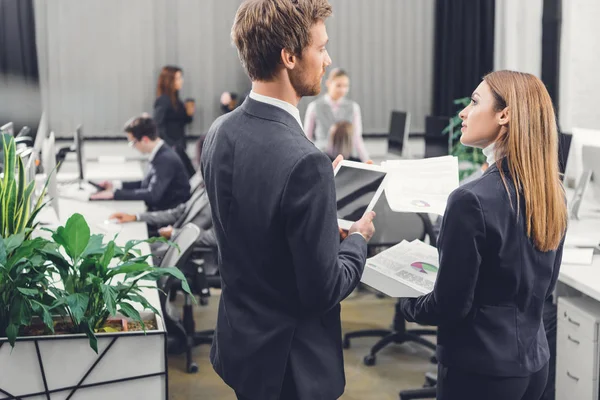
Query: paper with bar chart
421	186
408	269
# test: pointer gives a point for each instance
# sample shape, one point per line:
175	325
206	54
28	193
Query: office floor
398	367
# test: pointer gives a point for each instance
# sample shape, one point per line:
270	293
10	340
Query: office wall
99	59
518	36
580	60
387	48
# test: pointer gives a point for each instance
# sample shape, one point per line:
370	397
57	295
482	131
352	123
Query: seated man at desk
165	184
196	210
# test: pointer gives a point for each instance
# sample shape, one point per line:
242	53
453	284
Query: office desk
96	171
578	319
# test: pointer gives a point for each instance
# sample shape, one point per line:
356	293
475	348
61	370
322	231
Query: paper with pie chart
408	269
421	186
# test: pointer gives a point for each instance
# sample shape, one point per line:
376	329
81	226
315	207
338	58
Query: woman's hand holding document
421	186
408	269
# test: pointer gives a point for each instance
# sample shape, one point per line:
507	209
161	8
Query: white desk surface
584	278
95	171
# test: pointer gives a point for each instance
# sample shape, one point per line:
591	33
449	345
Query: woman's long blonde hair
530	148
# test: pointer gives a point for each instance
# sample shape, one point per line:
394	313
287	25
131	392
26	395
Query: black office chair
202	274
390	229
437	144
427	392
176	257
398	135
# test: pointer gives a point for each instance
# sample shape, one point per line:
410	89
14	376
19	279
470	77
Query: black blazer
164	186
492	283
170	121
283	269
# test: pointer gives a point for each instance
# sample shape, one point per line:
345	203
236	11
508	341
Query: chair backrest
564	146
399	128
437	144
393	227
434	125
185	239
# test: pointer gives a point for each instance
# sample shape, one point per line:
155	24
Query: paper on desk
408	269
421	185
590	240
578	256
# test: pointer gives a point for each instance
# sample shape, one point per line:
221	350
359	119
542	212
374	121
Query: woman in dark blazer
171	115
500	248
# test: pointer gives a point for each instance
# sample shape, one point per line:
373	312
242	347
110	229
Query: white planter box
129	365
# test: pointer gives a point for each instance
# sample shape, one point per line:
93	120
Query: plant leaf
11	332
128	268
78	303
89	331
94	246
2	252
142	300
108	255
110	297
28	292
75	236
175	272
127	310
14	241
46	317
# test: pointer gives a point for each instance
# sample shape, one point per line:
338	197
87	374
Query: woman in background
341	141
333	107
500	248
171	115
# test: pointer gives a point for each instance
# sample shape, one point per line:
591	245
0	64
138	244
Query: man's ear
504	117
288	59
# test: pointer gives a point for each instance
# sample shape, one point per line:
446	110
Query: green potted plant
100	279
16	215
58	295
24	277
470	159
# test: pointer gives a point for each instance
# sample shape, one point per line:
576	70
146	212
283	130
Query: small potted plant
470	158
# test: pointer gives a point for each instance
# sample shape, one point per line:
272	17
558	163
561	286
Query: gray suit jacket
283	268
196	210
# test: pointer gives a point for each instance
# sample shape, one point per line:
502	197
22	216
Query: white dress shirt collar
284	105
155	149
489	153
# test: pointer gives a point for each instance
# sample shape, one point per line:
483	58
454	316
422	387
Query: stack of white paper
405	270
578	256
421	186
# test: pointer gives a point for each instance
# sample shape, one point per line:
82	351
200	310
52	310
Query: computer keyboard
76	190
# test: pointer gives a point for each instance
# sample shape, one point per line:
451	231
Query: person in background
172	115
165	184
500	248
333	107
341	141
196	210
230	101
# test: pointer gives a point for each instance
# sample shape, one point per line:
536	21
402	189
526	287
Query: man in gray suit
272	195
196	210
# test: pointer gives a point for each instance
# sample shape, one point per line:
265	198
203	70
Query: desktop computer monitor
42	133
8	129
399	127
49	165
591	162
79	152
